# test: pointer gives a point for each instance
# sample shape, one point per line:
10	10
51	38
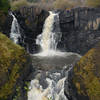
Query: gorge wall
80	28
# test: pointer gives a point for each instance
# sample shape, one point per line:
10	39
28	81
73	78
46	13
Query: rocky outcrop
86	76
15	65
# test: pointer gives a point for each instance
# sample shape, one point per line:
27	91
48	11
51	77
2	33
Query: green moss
13	59
87	74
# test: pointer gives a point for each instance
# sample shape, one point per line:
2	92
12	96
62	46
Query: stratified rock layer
80	29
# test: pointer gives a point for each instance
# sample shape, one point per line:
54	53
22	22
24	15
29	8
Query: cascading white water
54	90
49	39
15	30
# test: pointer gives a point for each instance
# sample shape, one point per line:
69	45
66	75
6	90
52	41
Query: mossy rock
13	61
87	75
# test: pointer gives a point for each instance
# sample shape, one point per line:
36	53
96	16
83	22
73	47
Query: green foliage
4	5
26	87
13	60
18	93
87	74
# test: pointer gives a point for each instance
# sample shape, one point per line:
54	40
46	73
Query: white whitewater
54	91
15	30
49	39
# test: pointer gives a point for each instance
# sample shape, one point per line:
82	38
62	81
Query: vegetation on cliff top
87	74
54	4
4	5
13	60
93	3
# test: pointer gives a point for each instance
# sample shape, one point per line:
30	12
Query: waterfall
50	37
15	30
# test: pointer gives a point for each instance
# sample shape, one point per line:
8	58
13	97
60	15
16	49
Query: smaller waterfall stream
15	30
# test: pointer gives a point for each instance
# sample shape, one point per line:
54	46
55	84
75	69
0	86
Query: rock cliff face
86	76
80	29
15	65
